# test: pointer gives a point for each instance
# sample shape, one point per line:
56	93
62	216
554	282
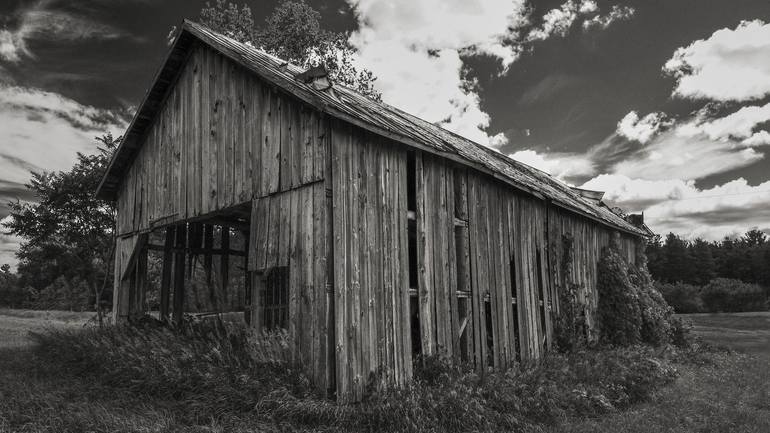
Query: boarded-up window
275	299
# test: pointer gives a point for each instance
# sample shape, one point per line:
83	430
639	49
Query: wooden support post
208	245
179	280
140	285
194	242
166	272
257	288
225	258
250	300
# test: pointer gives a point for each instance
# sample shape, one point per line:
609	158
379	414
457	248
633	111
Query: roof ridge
378	117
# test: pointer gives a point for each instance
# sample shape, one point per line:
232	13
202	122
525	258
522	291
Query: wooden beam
140	286
225	258
130	268
208	246
215	251
193	245
165	281
247	281
179	280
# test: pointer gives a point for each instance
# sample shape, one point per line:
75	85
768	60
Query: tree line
700	276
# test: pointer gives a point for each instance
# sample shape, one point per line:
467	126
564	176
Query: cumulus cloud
641	129
39	21
759	138
416	49
558	21
731	65
679	206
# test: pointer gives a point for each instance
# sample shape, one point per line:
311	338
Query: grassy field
743	332
722	392
729	394
15	325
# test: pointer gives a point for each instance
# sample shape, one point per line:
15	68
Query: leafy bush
728	295
570	324
684	298
681	332
719	295
655	312
620	318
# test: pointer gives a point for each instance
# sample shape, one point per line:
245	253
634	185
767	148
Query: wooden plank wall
371	296
221	138
589	239
121	302
512	297
289	229
436	261
506	232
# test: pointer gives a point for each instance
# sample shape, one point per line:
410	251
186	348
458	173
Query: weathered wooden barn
369	234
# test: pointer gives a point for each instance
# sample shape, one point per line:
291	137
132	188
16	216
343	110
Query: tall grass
222	369
214	367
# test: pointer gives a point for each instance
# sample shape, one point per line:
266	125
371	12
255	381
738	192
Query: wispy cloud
43	21
617	13
559	21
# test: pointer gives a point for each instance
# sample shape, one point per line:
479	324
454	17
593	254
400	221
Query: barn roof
350	106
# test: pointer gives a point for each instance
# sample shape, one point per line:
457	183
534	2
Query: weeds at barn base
222	370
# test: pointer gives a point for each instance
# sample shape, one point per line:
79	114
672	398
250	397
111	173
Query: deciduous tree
67	232
294	33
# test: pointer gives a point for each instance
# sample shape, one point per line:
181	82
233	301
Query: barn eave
349	106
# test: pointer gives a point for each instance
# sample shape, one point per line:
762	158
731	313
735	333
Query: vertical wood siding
371	296
221	138
121	302
289	230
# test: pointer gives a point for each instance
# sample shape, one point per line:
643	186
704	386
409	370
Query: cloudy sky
663	104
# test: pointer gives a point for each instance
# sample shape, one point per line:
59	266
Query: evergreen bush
619	315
